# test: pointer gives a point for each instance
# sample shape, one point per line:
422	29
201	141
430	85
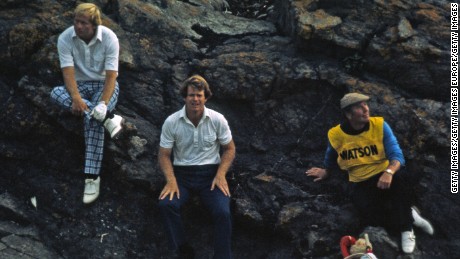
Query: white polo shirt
89	60
195	145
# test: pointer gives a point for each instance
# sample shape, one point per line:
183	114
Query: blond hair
90	10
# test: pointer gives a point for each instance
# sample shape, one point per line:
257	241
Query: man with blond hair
366	148
88	55
194	136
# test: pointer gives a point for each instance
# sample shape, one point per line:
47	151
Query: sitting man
88	53
194	135
366	148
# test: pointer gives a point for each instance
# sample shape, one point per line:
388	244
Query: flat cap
352	98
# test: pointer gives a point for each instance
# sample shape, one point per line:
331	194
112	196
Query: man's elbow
230	147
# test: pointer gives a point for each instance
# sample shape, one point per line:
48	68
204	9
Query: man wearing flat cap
367	149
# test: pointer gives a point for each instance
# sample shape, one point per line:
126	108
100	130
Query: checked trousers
91	92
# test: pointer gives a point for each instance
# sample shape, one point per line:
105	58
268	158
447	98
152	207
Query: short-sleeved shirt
195	145
89	60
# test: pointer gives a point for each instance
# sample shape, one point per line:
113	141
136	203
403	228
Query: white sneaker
113	125
408	241
91	190
420	222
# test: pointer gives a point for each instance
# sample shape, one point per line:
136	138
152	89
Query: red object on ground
345	243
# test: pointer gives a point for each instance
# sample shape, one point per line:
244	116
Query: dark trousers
198	179
390	208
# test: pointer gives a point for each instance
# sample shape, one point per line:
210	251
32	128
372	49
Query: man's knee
166	204
56	92
221	210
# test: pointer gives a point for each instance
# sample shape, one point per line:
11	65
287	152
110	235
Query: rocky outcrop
20	237
405	42
277	75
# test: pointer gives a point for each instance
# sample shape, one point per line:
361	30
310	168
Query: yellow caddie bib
362	155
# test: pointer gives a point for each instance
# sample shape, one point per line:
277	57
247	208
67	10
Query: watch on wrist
389	171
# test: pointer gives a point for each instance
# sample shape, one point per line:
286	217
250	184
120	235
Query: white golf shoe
420	222
114	125
408	241
91	191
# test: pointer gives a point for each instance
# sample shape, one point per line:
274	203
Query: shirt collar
99	33
183	113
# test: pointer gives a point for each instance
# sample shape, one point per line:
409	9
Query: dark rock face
278	70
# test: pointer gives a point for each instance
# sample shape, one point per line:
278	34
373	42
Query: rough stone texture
277	75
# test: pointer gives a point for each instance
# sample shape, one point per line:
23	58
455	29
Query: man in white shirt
88	55
194	135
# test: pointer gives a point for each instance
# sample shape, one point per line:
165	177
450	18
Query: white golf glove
99	111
